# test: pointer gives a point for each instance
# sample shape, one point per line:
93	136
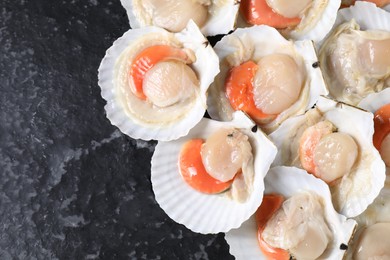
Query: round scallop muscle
277	83
334	156
374	242
169	82
225	152
174	15
375	56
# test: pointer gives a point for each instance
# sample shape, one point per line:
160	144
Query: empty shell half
306	216
190	200
155	82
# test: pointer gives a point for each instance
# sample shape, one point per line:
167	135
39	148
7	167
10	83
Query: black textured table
72	186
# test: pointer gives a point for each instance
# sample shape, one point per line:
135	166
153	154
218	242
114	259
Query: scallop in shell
210	213
290	182
298	20
212	16
362	179
264	75
164	101
355	57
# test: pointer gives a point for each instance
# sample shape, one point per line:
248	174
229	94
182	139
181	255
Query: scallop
225	152
264	75
360	172
212	16
306	224
297	20
355	57
248	155
155	82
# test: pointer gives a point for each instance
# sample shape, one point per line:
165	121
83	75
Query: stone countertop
72	186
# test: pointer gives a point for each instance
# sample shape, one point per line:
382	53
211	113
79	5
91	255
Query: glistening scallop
155	82
212	213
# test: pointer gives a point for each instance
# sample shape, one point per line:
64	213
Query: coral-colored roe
149	57
258	12
239	90
270	204
194	172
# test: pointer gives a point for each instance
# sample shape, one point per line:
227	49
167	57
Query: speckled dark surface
72	186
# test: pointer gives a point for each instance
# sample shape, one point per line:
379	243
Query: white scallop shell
366	14
375	101
206	67
386	7
222	16
289	181
377	212
200	212
369	175
321	28
264	40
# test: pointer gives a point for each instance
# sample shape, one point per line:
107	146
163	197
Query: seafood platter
275	132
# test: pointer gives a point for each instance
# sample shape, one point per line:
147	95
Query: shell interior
252	44
367	15
358	189
288	181
375	100
117	108
221	20
316	22
354	81
320	22
201	212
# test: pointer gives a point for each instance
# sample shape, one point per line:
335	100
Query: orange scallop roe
258	12
308	142
149	57
381	125
270	204
239	90
193	171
